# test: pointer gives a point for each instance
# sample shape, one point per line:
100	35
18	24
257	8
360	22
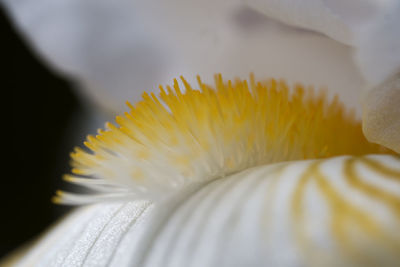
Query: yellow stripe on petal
360	235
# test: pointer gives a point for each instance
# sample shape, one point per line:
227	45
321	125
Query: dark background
42	108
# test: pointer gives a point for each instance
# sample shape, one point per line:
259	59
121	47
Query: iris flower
255	172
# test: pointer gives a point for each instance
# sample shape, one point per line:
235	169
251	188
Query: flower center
166	143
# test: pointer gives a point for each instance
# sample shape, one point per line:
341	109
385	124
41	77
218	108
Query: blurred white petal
378	45
370	26
342	211
315	15
117	49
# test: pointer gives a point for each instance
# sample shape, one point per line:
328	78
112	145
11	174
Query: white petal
378	57
370	26
342	211
378	45
381	116
339	19
117	49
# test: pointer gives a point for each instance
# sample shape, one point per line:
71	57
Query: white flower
197	184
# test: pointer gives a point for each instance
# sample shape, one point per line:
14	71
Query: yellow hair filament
181	137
